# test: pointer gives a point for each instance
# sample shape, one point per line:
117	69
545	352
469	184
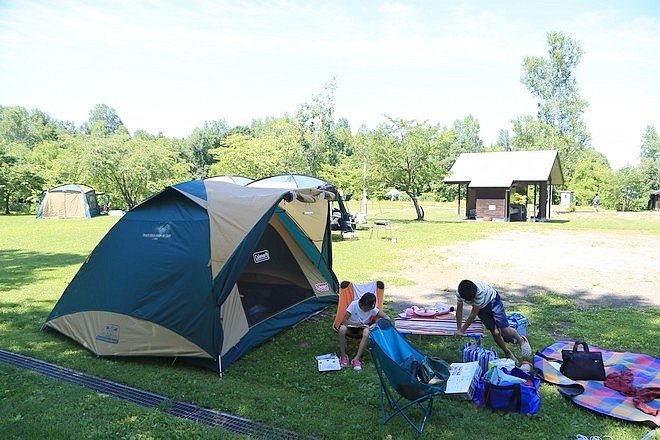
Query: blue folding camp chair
409	380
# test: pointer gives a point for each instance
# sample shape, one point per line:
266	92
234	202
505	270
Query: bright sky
168	66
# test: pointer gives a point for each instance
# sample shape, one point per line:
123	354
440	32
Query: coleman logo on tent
321	287
261	256
110	334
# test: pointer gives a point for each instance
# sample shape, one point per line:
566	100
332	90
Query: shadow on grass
23	267
474	222
299	390
611	321
430	222
521	295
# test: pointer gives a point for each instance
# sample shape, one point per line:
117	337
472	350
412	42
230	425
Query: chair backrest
348	292
392	355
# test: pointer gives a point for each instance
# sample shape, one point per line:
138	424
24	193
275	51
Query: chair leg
425	404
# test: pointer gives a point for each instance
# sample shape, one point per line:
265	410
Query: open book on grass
328	362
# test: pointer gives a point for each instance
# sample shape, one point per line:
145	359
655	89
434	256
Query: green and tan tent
69	201
204	270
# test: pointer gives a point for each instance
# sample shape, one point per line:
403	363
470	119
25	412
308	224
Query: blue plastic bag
475	352
519	398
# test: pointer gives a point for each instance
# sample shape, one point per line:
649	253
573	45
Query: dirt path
593	268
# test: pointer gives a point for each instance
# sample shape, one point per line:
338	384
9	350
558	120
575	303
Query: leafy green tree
504	141
467	139
143	135
406	156
14	125
552	82
18	183
319	142
462	137
592	175
629	191
103	121
560	107
650	158
355	173
60	161
650	144
240	129
28	128
274	151
132	168
201	141
42	127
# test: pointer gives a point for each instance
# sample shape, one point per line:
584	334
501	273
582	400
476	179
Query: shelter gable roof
501	169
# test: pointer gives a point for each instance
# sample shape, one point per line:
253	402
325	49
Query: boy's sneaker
357	364
525	348
343	361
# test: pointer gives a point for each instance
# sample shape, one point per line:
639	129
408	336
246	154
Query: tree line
38	152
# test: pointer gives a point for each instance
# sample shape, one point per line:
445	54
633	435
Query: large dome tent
209	270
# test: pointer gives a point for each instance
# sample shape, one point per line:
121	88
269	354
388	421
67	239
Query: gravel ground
596	269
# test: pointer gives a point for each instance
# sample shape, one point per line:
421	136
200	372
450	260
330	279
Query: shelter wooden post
458	210
543	200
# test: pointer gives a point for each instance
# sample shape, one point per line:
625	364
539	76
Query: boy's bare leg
512	333
500	342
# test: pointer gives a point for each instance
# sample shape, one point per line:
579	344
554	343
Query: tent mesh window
270	285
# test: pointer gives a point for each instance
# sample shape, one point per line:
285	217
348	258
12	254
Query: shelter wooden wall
491	197
655	202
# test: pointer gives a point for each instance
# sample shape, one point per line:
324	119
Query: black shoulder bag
582	365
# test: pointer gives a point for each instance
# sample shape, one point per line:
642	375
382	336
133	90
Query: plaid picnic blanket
593	394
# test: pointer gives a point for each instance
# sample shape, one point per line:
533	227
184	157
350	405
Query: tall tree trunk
7	204
418	208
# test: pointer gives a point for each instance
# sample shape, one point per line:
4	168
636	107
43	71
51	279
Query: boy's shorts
493	314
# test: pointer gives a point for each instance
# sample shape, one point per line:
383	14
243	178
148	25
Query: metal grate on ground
184	410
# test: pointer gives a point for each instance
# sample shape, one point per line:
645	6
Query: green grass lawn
277	383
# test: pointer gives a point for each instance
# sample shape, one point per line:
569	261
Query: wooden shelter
491	179
654	202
